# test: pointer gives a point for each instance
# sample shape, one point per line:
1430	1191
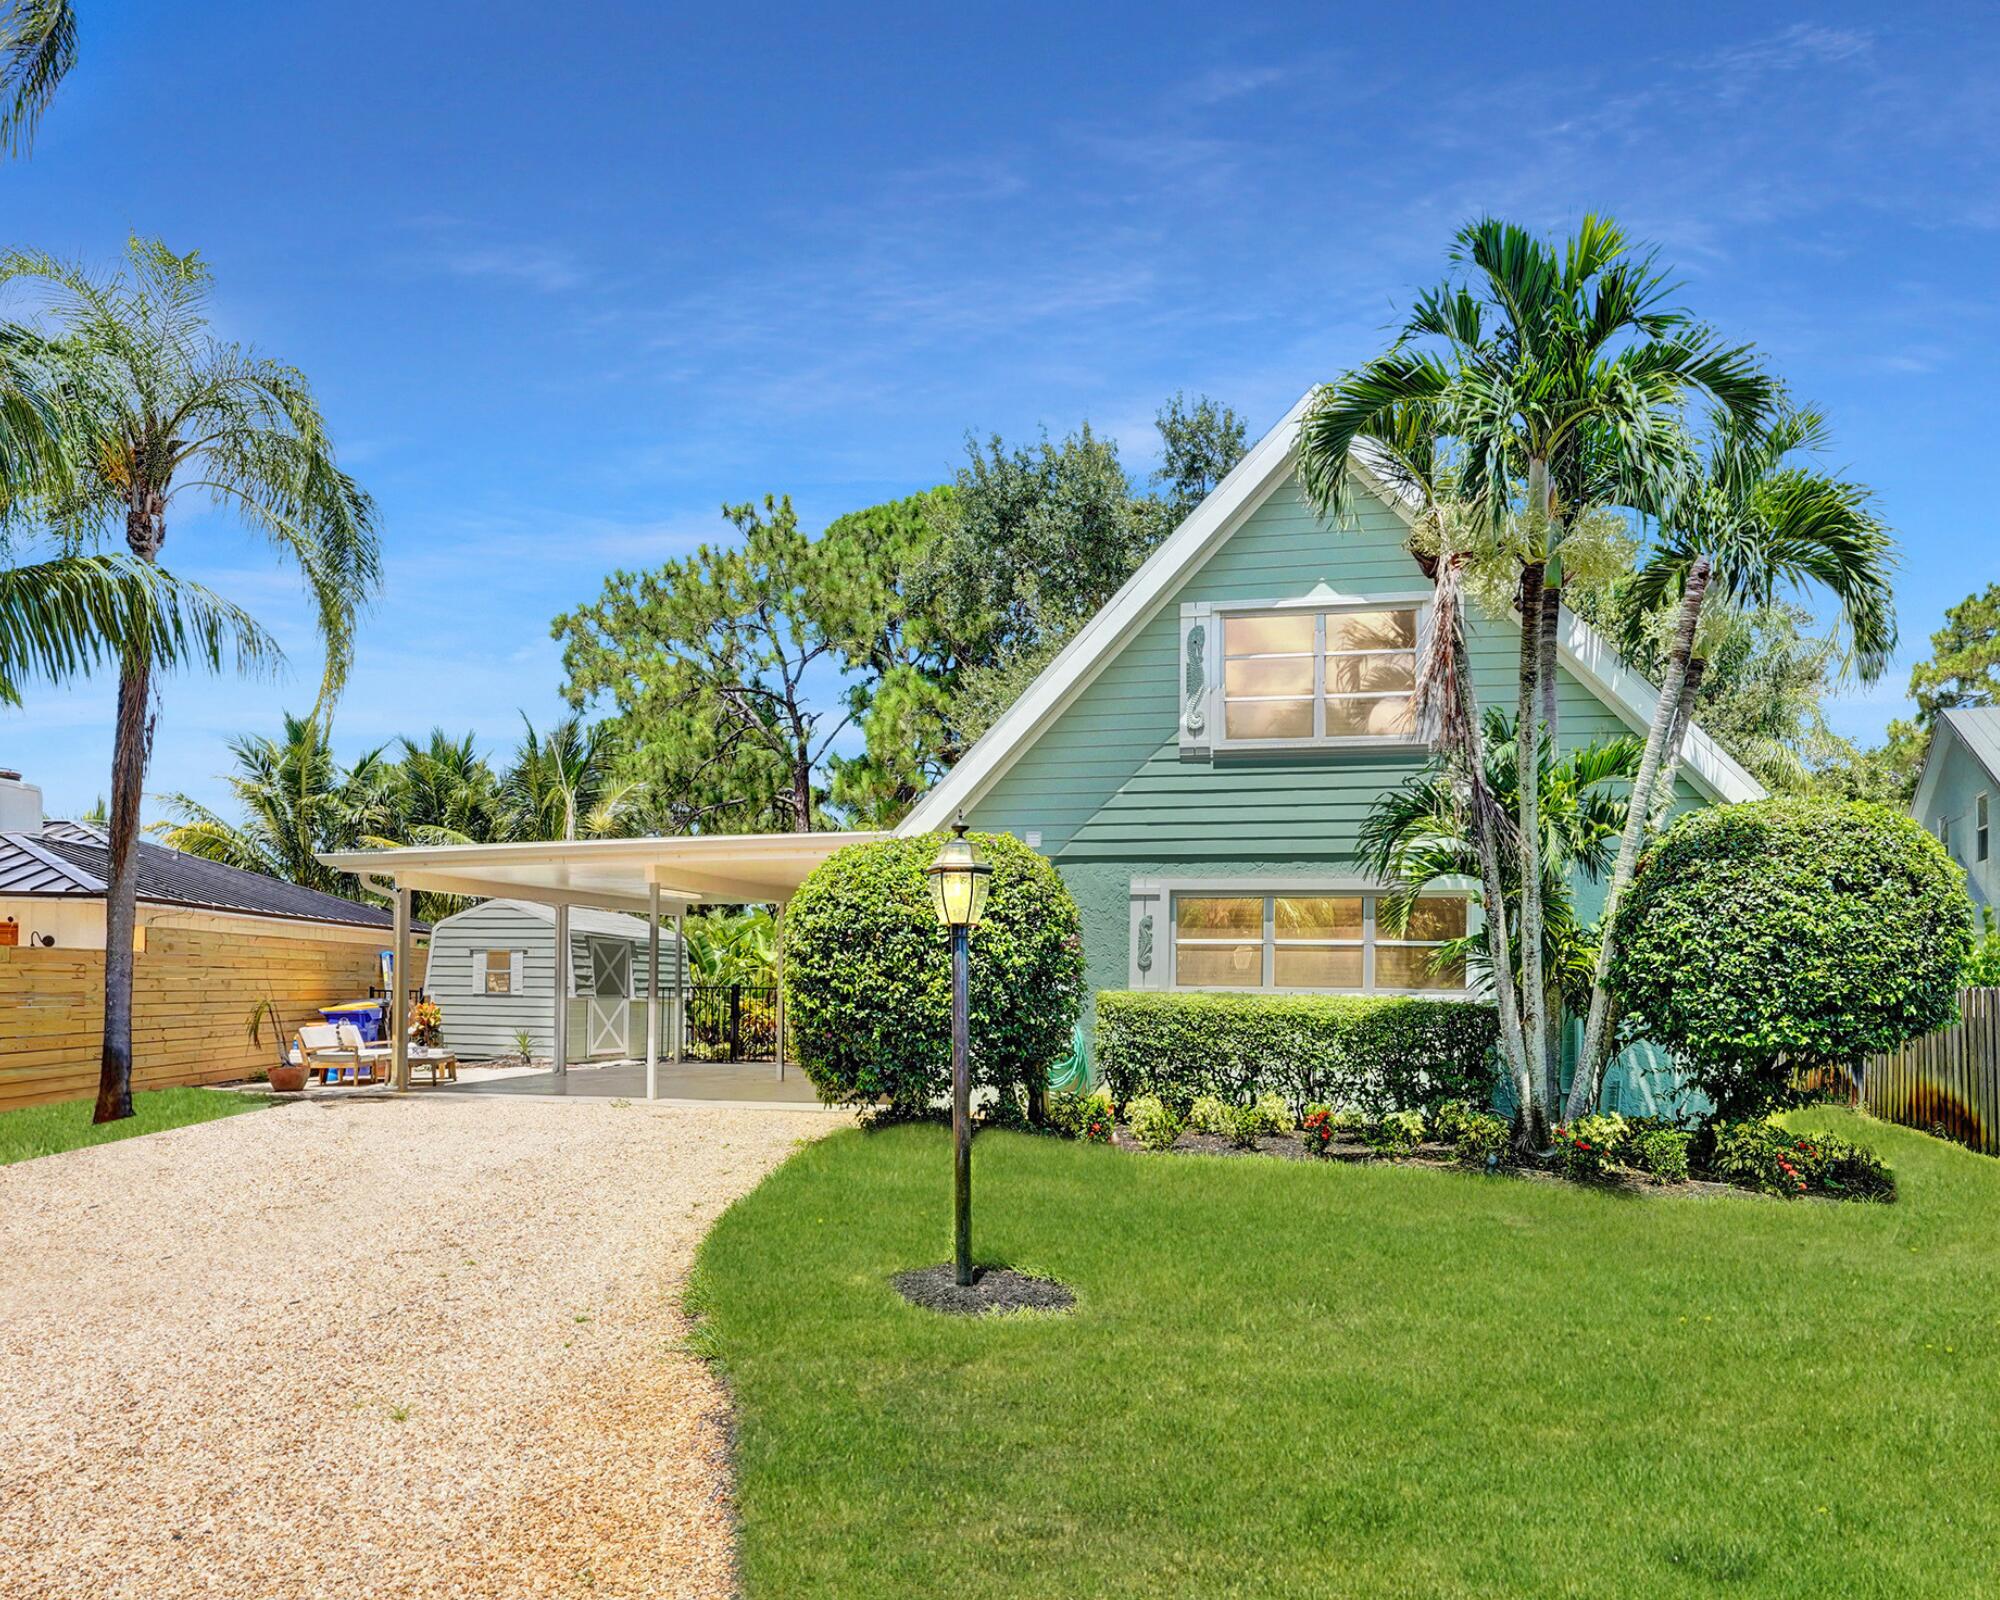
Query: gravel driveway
370	1348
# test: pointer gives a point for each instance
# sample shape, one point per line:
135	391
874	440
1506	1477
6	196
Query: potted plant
285	1075
427	1025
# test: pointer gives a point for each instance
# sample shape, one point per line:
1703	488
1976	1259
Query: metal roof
611	874
1979	728
77	867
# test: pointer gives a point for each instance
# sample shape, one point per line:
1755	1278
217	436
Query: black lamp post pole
961	1099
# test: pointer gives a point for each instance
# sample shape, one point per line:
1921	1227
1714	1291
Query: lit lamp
958	889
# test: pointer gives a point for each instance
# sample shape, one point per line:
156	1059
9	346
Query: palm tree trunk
1545	644
1485	820
1670	762
131	749
1533	1129
1596	1032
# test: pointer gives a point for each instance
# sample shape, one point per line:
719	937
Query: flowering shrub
1772	1160
427	1024
1154	1123
1073	1116
1316	1132
1589	1146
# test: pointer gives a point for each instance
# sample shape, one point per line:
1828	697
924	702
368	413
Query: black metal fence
732	1022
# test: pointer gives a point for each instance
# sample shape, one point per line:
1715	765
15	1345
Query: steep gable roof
1269	463
1977	728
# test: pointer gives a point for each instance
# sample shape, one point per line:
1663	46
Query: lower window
1313	941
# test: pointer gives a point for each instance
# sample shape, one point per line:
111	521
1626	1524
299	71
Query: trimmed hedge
1381	1055
1766	939
868	974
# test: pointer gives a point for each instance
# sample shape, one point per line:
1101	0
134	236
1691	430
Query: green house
1199	760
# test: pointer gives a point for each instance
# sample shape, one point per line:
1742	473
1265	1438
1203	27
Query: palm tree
37	50
295	800
564	784
443	792
1755	523
1549	384
152	406
1416	837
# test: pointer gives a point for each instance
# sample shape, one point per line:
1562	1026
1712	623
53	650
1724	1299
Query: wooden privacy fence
192	994
1948	1080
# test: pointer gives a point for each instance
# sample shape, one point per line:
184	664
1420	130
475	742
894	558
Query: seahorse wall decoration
1146	942
1195	715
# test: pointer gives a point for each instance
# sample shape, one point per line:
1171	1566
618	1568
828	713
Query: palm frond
37	51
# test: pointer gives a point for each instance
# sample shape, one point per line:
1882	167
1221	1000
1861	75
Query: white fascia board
1135	604
1207	527
1928	780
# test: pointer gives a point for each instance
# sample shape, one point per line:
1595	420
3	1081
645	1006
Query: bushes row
1772	1160
1375	1054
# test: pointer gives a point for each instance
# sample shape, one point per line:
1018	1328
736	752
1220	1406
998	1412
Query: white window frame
1174	891
1320	607
482	966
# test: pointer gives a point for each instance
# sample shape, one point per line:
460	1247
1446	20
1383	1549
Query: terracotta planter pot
288	1079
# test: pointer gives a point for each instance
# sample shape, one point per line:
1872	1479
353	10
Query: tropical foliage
149	408
1536	389
37	51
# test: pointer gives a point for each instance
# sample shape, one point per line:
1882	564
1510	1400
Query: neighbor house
1956	793
493	974
212	944
1198	761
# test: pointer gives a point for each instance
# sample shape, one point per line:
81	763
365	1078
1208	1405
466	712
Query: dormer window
1320	675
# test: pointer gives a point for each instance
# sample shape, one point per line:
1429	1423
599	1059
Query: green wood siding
1107	781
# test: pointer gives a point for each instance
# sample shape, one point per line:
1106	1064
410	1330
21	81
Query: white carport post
780	920
563	975
680	981
653	992
399	992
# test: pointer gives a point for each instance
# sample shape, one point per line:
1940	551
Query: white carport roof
613	874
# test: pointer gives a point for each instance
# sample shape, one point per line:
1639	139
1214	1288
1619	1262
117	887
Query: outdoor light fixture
958	889
958	880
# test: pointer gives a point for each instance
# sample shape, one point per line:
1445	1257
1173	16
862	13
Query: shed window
1306	677
497	971
1980	834
1313	941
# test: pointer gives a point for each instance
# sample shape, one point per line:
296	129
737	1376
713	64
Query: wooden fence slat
1950	1078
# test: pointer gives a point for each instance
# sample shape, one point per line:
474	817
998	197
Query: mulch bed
1290	1147
993	1289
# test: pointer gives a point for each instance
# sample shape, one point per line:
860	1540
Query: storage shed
493	974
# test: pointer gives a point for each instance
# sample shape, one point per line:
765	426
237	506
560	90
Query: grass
1293	1379
47	1130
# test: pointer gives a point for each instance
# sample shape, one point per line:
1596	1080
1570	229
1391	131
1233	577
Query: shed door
610	969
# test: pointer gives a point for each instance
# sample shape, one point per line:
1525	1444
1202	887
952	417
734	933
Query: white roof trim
1207	527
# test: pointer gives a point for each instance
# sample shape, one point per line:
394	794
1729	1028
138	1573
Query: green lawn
1292	1379
45	1130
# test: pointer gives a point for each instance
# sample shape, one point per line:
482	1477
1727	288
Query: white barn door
606	1024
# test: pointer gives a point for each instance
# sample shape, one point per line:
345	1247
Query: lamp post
958	889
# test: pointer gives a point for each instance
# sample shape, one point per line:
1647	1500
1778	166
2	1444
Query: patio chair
320	1050
372	1059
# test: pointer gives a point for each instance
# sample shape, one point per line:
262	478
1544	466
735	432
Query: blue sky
565	289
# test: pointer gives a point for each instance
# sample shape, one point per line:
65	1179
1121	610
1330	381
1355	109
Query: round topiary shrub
868	974
1763	939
